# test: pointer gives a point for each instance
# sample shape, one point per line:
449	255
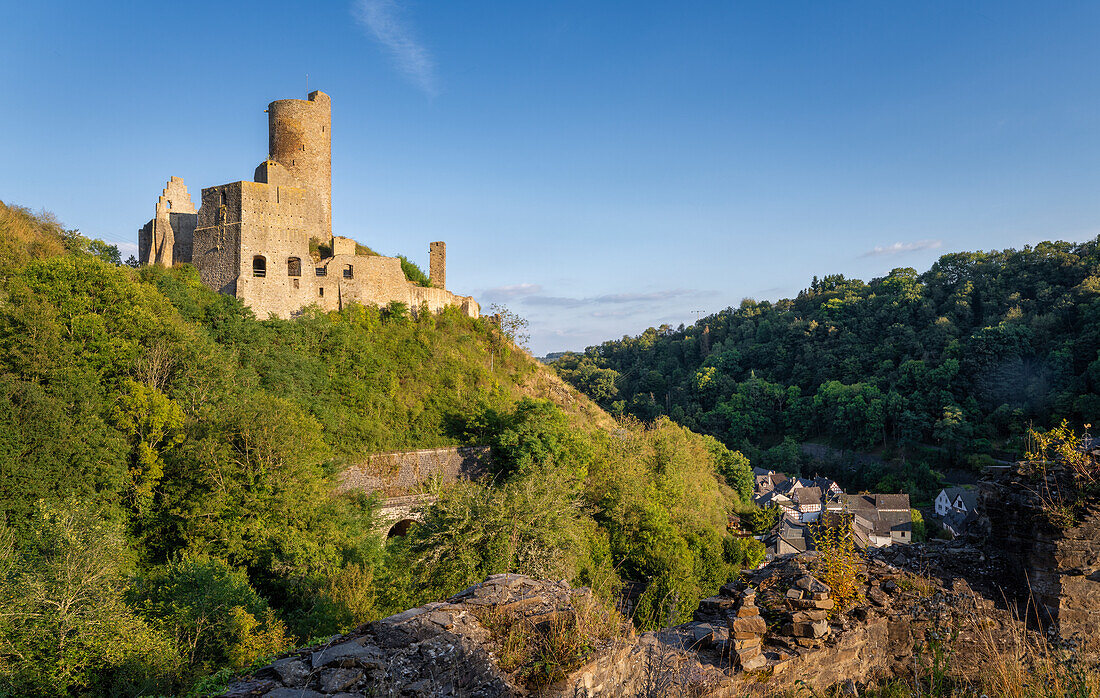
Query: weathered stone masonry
251	239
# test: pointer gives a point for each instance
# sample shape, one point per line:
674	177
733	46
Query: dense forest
944	369
167	514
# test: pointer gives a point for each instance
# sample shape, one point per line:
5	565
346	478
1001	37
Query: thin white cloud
382	19
903	247
505	293
615	298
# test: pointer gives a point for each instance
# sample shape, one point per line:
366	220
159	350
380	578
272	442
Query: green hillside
167	462
945	368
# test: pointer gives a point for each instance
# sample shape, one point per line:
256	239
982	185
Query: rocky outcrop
1051	548
769	630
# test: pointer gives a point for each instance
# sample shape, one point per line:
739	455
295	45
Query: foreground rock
771	629
464	646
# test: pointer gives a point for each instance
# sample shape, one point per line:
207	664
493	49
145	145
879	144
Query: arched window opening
294	266
221	197
401	528
259	266
348	274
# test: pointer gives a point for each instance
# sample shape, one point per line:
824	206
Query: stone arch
400	528
259	266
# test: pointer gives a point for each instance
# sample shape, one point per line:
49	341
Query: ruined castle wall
380	280
300	139
217	240
1057	569
277	275
436	299
168	237
374	280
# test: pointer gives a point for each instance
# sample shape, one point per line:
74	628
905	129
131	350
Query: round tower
300	139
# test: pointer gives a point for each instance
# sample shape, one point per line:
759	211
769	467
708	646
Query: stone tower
300	139
437	264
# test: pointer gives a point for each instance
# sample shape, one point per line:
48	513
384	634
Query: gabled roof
968	498
773	497
807	495
880	513
826	484
892	502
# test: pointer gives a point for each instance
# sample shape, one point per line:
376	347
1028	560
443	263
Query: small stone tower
300	139
437	264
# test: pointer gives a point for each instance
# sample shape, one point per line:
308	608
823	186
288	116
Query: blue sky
598	167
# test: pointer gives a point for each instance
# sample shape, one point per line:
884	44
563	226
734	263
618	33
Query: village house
876	519
881	519
957	508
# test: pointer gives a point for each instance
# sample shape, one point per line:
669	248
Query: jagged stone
754	663
284	692
361	654
810	629
750	625
336	680
292	671
248	688
745	611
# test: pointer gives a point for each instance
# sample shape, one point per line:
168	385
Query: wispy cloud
507	293
614	298
382	19
903	247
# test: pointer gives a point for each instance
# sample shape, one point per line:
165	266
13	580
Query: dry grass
540	650
25	236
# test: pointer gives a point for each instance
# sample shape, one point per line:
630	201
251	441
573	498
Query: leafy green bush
64	626
211	611
414	273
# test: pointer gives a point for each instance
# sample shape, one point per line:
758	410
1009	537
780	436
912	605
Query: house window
322	271
321	291
259	266
294	267
295	283
348	274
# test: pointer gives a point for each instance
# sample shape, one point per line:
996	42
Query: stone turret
300	139
437	261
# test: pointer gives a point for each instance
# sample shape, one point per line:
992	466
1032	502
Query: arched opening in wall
259	266
401	528
348	273
294	266
221	197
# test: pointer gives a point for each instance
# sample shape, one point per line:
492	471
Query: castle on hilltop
252	239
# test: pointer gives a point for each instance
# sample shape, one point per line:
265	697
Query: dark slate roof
858	502
893	521
825	484
880	513
794	534
969	498
807	495
957	521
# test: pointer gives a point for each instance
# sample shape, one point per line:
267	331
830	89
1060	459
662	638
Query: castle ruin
252	239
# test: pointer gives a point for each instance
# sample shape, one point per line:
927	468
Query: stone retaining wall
406	472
